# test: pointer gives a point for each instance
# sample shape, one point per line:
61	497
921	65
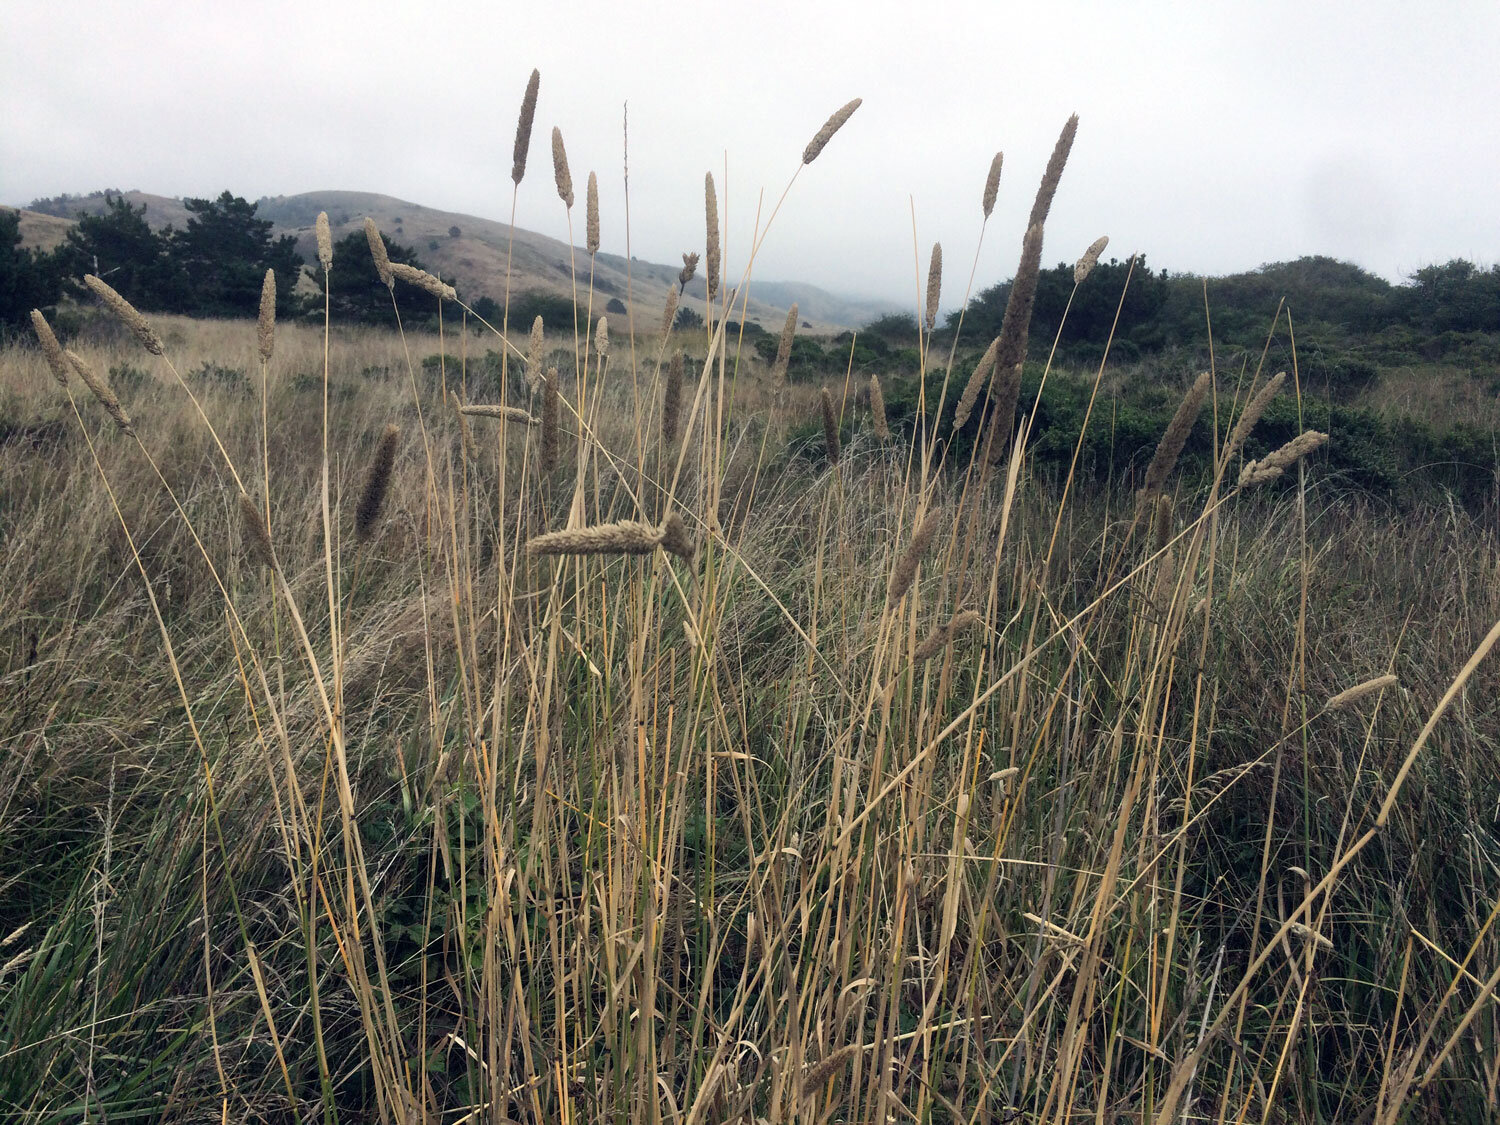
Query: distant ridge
475	257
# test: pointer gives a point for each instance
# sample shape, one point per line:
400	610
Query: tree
358	294
29	279
120	246
225	252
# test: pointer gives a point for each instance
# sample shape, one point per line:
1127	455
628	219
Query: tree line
212	267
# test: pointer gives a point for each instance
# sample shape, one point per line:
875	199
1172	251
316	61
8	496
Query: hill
475	256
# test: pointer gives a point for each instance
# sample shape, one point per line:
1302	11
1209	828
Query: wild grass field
675	743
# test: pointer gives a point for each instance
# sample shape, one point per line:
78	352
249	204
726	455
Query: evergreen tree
225	251
359	296
120	246
29	279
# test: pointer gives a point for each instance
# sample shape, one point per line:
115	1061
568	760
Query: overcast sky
1213	136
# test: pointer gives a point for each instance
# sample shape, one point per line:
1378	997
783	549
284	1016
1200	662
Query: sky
1213	136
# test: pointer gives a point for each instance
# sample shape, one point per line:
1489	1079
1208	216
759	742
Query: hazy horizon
1214	141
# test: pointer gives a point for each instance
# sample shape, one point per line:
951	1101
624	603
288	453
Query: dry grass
413	825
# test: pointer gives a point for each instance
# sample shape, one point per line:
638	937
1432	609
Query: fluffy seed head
676	539
509	413
1003	411
711	219
265	325
1252	413
423	280
671	403
669	312
1050	179
830	127
325	241
992	183
934	284
1349	696
1090	259
523	127
627	537
534	356
592	204
551	420
1162	525
257	536
560	169
601	337
377	482
877	410
377	252
830	426
126	314
944	635
101	389
51	349
982	372
906	565
689	267
1274	464
1015	328
1170	446
784	348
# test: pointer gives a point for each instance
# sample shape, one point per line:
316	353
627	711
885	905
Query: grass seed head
592	211
982	371
906	565
830	426
1164	460
1252	414
992	183
877	410
627	537
669	311
551	421
523	128
257	535
1053	175
265	324
934	285
508	413
671	403
1003	411
1274	464
676	539
126	313
944	635
784	347
560	171
325	241
534	349
424	281
1350	696
601	337
689	267
101	389
711	220
377	484
465	433
51	349
377	253
830	127
1090	259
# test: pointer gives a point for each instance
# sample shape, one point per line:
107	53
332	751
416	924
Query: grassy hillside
729	738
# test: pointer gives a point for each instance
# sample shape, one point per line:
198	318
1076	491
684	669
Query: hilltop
474	257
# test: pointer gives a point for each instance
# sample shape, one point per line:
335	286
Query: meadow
673	741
